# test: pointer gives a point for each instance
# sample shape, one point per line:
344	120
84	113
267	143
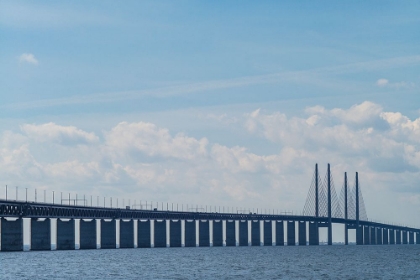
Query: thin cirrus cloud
28	58
382	82
314	76
395	85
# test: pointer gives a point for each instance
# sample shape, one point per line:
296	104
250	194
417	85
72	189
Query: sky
209	103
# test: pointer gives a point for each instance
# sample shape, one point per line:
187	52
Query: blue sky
208	84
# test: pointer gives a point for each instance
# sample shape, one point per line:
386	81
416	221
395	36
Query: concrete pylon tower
346	231
329	207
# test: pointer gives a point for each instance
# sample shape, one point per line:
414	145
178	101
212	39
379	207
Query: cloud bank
142	160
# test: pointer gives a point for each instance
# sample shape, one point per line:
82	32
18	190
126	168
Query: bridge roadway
176	228
45	210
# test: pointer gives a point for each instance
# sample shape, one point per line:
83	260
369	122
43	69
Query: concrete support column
313	233
175	233
302	233
88	234
126	234
392	236
291	238
160	233
366	235
385	239
255	233
379	236
243	233
66	234
190	237
398	237
417	237
268	233
411	237
11	235
404	237
40	234
230	233
359	235
108	234
279	233
373	235
217	233
143	234
204	234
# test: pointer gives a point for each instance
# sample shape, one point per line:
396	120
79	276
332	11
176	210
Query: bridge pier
65	234
143	234
404	237
379	236
411	237
398	237
108	234
190	236
268	233
417	237
126	234
359	235
385	239
243	233
11	235
313	233
160	234
373	235
88	234
40	234
204	234
392	236
346	234
291	231
302	233
366	235
175	233
279	233
217	233
230	233
255	233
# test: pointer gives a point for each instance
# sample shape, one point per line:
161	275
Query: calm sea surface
318	262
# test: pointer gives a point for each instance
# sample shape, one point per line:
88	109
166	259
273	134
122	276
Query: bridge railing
73	199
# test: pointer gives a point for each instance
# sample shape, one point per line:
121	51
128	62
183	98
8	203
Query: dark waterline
317	262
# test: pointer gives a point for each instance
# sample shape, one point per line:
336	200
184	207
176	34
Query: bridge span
96	227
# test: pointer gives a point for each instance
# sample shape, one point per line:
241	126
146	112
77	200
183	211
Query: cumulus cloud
28	58
64	135
145	161
363	131
153	141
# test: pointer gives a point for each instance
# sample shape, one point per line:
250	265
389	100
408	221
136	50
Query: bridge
93	227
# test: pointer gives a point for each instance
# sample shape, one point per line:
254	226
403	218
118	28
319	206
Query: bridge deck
45	210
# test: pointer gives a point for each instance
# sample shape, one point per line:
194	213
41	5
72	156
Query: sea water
282	262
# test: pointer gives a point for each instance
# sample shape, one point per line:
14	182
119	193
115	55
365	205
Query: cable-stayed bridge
91	227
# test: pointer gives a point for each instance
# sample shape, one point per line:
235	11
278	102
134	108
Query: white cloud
153	141
65	135
395	85
382	82
144	161
28	58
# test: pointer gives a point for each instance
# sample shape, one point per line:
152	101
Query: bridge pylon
323	202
